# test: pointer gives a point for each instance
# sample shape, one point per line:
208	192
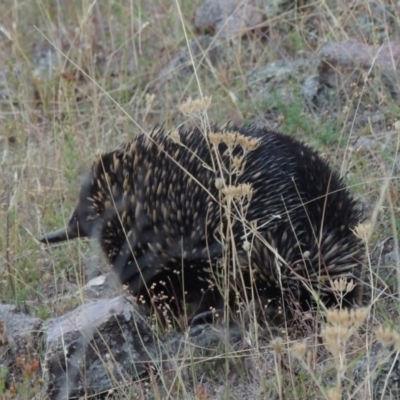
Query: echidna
173	211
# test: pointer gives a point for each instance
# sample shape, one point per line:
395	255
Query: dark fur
155	195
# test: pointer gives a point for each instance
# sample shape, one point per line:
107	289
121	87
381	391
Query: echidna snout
82	223
70	232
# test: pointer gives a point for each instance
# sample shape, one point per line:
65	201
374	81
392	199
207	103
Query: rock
379	371
202	49
20	328
355	60
106	343
277	81
206	337
274	8
347	67
228	19
20	336
96	346
315	94
352	54
374	20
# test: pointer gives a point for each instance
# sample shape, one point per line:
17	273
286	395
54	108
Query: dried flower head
191	107
247	143
387	336
299	350
216	138
334	393
363	231
238	164
360	315
230	139
277	345
149	99
246	246
175	136
335	338
343	285
219	183
238	192
346	317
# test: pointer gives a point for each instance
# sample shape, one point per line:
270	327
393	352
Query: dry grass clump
340	326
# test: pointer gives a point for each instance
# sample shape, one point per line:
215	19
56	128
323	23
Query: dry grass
77	76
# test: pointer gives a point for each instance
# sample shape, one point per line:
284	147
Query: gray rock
315	93
379	372
374	21
228	19
205	49
20	337
108	342
353	61
96	346
278	80
20	328
349	66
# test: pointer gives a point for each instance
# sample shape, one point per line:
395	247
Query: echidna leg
136	272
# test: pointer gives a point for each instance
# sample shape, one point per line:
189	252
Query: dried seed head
175	136
335	338
343	285
238	192
249	144
190	107
149	99
277	345
387	336
360	315
238	164
306	254
363	231
299	350
334	393
219	183
246	246
347	317
216	138
230	139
